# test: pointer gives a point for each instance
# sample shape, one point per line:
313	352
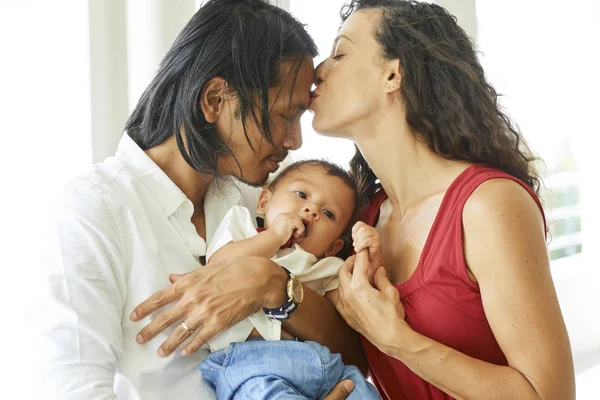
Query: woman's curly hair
448	102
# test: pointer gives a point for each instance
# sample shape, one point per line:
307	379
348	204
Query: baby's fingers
298	229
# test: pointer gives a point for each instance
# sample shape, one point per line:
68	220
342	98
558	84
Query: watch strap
284	312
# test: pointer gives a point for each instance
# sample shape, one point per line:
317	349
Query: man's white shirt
123	228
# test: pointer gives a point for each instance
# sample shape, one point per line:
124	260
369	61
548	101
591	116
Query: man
226	102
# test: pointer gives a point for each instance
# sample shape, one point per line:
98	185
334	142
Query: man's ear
335	248
212	98
263	201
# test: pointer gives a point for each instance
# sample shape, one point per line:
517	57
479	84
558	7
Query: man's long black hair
243	41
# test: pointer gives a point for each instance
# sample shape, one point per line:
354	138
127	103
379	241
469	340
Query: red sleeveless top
440	300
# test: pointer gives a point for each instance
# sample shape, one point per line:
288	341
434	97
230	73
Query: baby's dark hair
337	171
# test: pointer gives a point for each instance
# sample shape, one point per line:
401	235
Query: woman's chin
326	129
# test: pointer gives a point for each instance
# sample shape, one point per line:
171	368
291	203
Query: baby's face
324	202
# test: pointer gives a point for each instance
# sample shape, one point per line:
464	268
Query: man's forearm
317	320
263	244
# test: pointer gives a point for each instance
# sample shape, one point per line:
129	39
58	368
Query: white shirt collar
167	194
222	194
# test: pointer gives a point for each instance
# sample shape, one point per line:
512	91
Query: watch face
297	290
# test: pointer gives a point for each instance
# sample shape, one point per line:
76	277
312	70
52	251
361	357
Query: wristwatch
295	294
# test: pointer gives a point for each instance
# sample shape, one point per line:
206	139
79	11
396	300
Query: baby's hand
367	237
286	226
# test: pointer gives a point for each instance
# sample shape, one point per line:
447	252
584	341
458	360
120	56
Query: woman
464	306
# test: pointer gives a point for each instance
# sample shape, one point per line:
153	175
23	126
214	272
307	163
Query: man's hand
367	237
209	301
340	391
286	226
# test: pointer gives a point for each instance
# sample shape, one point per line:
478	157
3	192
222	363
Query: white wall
465	12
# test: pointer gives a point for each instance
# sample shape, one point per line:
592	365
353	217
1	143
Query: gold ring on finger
187	327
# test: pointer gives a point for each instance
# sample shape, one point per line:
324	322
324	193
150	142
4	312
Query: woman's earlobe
393	81
394	75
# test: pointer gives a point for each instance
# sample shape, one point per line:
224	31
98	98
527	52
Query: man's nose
293	139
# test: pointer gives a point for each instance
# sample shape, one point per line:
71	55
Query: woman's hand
374	312
210	300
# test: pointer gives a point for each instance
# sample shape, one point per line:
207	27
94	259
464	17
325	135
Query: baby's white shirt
319	275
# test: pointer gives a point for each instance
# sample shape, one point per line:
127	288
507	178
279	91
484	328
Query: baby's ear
334	249
263	201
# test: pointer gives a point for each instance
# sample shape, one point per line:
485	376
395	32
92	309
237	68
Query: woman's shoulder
500	220
499	197
487	194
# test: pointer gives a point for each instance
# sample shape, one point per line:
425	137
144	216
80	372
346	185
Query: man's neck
191	182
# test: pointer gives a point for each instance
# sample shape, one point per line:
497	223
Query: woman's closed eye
337	56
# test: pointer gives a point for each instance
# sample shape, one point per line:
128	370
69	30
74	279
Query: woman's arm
505	250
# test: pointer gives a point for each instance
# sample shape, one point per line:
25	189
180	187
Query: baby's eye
328	214
301	194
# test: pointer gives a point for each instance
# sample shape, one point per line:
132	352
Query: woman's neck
407	169
191	182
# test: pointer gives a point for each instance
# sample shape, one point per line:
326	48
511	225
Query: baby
308	212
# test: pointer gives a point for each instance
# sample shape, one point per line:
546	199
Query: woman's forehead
359	27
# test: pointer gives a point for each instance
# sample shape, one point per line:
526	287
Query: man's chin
254	182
